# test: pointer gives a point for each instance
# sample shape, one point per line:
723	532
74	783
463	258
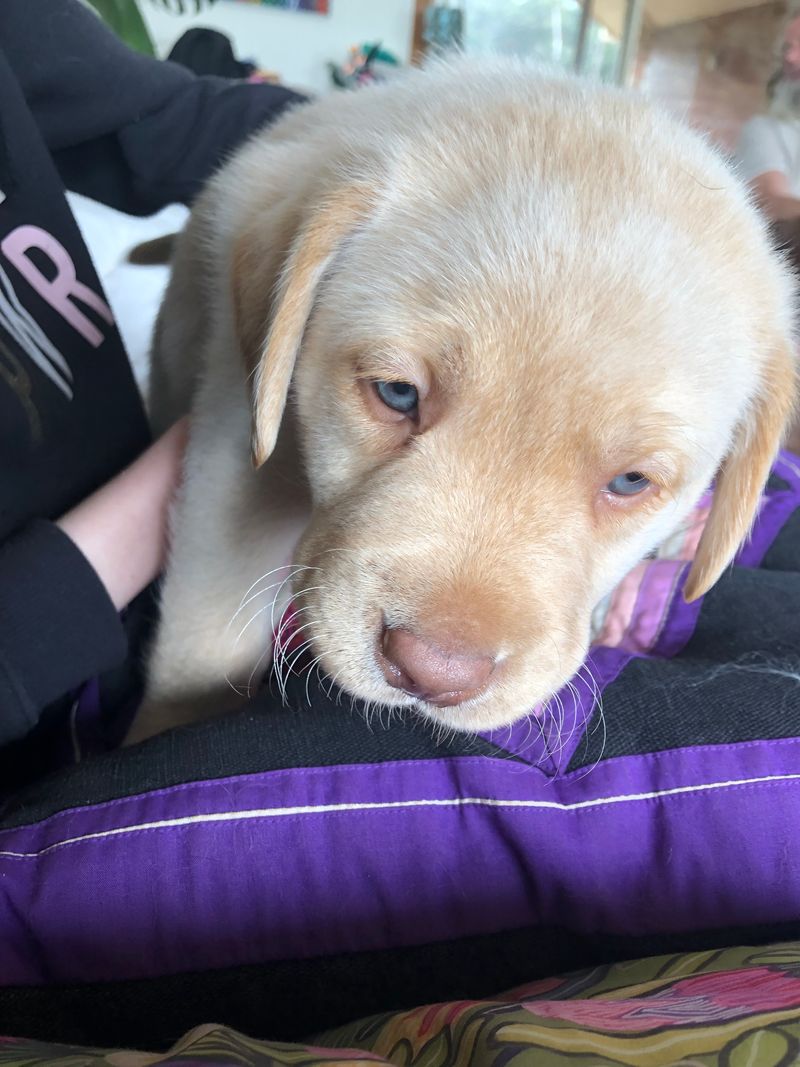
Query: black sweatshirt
78	110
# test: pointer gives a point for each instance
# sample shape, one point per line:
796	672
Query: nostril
394	673
442	675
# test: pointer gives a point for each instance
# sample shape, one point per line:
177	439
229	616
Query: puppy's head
520	347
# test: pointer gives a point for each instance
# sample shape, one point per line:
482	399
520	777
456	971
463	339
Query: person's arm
131	131
793	440
62	585
122	528
57	625
774	194
761	160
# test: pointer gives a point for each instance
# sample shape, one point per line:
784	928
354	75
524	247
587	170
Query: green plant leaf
125	18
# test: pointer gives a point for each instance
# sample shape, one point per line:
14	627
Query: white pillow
134	293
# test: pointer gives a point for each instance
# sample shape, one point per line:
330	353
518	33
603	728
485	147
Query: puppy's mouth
406	669
386	662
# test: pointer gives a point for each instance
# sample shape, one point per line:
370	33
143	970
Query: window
550	30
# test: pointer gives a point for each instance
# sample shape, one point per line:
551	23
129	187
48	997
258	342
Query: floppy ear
270	343
744	473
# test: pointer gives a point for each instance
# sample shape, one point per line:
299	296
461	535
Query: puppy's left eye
628	484
399	396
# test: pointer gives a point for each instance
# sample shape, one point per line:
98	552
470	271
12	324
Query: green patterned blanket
737	1007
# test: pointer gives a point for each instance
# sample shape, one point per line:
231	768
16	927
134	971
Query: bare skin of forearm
774	194
781	208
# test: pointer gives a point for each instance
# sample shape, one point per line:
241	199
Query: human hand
122	528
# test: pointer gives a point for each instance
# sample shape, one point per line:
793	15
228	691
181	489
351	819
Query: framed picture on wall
319	7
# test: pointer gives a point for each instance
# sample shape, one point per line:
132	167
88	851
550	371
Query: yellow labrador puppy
485	336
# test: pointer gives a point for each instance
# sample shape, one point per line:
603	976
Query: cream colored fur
579	287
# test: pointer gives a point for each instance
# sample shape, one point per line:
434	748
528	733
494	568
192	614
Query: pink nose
440	676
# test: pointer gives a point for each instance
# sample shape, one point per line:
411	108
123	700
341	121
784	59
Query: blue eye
628	484
399	396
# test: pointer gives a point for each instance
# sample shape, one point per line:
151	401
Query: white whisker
247	598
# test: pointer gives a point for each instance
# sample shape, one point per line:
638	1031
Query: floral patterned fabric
733	1008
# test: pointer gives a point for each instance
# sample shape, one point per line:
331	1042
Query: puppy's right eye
402	397
630	484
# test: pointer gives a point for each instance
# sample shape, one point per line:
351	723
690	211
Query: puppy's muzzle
442	676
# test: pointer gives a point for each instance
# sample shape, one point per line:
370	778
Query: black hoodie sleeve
130	131
58	626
